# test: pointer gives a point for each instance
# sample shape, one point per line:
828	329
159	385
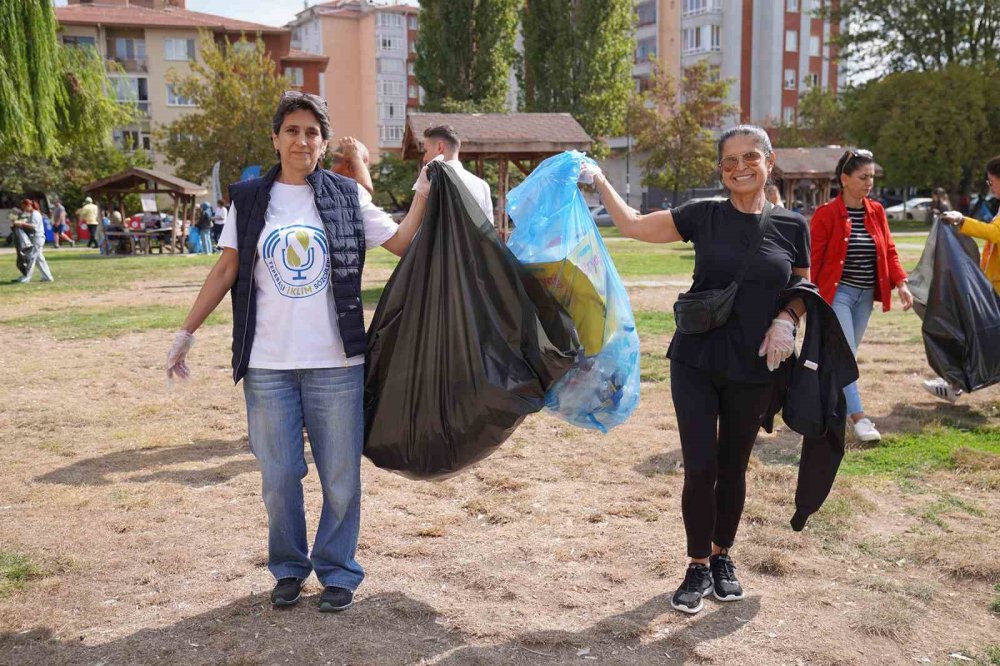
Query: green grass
896	226
907	454
610	232
652	322
633	258
654	366
993	654
15	571
90	323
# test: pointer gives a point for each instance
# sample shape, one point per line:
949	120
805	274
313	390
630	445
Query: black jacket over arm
809	393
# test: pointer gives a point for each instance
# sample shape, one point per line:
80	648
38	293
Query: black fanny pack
701	311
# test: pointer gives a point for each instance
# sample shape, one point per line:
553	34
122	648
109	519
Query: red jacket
830	229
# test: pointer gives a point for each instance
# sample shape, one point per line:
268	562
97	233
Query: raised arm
655	227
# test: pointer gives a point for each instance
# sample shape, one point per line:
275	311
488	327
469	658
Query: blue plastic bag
556	239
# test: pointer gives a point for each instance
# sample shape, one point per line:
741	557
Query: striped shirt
859	265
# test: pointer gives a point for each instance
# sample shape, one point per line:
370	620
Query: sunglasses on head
298	94
751	158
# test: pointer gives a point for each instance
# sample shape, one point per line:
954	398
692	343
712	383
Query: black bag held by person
701	311
464	343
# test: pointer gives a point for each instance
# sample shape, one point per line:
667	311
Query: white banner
216	187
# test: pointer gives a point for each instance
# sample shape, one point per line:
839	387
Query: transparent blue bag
556	239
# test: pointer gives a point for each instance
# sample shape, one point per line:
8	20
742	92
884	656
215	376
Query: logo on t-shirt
296	258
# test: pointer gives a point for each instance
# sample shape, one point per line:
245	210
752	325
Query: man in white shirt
442	143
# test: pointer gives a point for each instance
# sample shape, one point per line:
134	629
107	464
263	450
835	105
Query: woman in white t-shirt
293	270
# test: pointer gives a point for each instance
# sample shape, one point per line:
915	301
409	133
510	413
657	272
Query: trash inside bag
464	344
961	311
556	239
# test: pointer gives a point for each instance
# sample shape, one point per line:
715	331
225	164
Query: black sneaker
697	584
335	599
286	592
727	588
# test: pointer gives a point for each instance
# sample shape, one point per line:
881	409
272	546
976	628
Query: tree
236	88
918	34
929	129
671	125
465	52
578	59
393	178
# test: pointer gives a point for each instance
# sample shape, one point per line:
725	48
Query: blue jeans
327	402
206	241
853	307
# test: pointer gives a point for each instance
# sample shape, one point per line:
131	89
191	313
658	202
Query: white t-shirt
477	186
296	316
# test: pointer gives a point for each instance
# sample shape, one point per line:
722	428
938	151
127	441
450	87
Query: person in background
205	224
103	245
940	202
351	159
293	267
854	264
442	143
60	227
772	194
218	221
720	380
35	228
88	214
989	261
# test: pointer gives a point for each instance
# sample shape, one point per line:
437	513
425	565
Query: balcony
131	65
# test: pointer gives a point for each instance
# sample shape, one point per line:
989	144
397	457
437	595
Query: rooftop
142	17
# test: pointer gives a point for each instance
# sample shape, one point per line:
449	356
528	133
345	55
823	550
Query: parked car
601	216
918	208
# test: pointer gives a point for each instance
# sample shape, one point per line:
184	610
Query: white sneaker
866	432
940	388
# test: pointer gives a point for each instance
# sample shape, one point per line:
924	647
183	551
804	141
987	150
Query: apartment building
370	82
772	50
148	38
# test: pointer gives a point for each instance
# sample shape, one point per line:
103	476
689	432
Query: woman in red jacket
854	263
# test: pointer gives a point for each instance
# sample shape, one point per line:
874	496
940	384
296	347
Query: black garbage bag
920	277
464	343
961	312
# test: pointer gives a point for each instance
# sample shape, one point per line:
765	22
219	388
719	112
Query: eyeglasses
865	154
751	158
298	94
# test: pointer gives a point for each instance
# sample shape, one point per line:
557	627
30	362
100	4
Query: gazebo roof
138	180
493	135
810	163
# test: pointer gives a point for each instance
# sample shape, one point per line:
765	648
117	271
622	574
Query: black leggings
718	420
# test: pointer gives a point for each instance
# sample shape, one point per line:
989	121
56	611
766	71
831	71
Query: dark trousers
92	228
216	233
718	420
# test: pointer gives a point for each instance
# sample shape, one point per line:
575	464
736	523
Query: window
390	43
411	68
692	7
295	75
390	88
131	140
788	115
791	40
716	38
76	40
646	11
690	40
173	99
179	49
645	49
414	92
413	47
789	79
814	46
413	23
389	20
391	110
811	80
124	48
243	46
389	66
131	89
389	134
792	5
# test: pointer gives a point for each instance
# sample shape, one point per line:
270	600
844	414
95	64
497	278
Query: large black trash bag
961	314
920	277
464	343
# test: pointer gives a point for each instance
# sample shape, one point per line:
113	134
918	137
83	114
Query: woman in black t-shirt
720	379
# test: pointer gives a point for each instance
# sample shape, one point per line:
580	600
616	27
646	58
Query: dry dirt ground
139	508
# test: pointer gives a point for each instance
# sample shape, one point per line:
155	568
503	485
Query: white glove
588	171
952	217
423	184
177	355
778	344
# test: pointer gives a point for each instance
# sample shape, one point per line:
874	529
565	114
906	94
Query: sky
268	12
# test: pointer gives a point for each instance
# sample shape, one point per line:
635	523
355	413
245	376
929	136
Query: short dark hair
851	161
294	100
444	133
758	134
993	166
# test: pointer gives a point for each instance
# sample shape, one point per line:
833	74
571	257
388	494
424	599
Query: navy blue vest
337	201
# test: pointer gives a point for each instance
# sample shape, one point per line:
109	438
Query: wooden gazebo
813	167
135	180
521	139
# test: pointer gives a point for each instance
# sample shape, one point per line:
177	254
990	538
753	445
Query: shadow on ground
221	460
384	629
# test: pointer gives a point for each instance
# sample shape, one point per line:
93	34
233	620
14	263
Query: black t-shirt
722	236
